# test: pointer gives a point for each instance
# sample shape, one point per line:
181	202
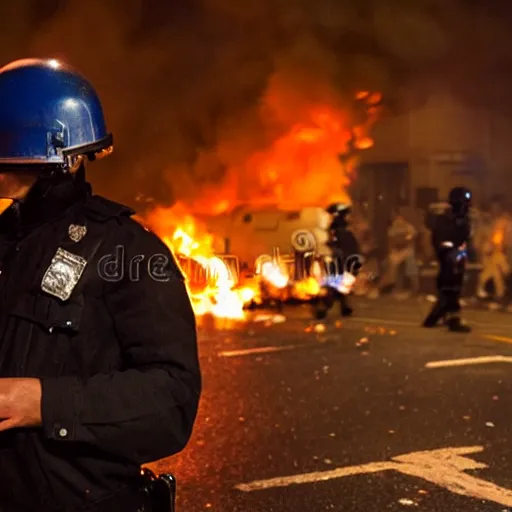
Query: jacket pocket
51	315
46	333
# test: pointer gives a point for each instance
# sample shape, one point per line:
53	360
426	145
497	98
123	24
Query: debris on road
269	320
362	342
407	503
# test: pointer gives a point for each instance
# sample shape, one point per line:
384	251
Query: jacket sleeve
146	411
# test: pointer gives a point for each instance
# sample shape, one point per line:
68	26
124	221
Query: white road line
319	476
383	321
444	468
257	350
409	323
505	339
469	361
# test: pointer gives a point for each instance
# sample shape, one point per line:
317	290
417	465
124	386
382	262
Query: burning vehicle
252	257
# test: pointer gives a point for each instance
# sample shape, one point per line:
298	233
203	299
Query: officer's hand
20	403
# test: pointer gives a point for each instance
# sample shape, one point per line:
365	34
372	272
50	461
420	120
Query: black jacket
118	360
449	229
342	241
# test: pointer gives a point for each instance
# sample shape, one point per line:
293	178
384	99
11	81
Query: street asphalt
334	406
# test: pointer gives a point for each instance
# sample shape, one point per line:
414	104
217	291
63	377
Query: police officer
345	259
99	369
450	236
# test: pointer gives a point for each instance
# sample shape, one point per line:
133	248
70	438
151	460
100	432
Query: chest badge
63	274
76	232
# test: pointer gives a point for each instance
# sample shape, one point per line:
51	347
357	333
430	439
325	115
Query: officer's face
16	184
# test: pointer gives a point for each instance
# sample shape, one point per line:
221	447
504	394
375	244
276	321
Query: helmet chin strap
74	163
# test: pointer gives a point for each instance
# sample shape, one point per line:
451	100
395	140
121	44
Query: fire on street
364	414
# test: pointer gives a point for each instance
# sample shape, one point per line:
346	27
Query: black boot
436	313
430	322
346	311
456	325
320	314
433	318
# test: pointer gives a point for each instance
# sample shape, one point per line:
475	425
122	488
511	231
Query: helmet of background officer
342	209
341	213
460	200
51	121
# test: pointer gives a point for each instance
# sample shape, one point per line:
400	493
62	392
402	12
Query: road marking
257	350
319	476
469	361
409	323
382	321
504	339
444	468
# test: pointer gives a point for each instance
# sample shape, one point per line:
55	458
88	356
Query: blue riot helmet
460	200
50	115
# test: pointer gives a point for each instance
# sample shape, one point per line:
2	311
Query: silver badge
63	274
76	233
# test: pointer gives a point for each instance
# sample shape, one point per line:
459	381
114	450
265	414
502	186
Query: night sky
174	75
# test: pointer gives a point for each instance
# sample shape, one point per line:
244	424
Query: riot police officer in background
99	368
450	235
345	259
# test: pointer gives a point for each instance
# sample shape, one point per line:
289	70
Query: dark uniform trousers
449	288
117	360
449	233
328	296
346	258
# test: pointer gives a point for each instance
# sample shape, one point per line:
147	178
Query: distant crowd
394	262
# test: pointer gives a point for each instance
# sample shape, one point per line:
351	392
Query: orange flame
497	238
217	292
300	167
274	275
4	204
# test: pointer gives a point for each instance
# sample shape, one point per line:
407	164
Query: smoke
192	87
